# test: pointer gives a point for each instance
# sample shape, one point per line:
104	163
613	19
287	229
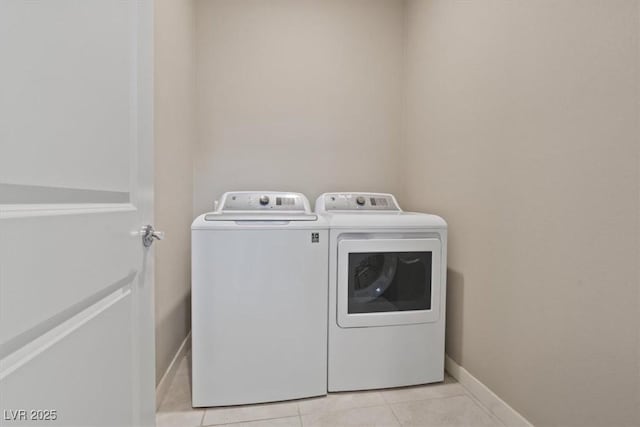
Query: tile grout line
394	414
427	398
300	413
245	421
347	409
378	405
385	403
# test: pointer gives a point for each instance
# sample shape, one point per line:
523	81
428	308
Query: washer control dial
264	200
360	200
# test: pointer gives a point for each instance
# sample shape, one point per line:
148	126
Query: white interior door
76	292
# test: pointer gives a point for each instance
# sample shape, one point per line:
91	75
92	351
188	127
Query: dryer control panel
252	201
357	202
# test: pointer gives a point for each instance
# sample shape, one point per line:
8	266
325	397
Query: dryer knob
360	200
264	200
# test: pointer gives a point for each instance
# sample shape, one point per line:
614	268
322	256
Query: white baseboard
165	381
498	407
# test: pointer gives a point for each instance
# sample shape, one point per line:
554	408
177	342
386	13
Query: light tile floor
444	404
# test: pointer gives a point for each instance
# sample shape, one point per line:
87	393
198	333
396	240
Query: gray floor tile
340	401
430	391
442	404
236	414
275	422
453	411
381	416
179	419
178	397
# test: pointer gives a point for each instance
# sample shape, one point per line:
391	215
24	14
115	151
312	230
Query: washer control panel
359	202
261	201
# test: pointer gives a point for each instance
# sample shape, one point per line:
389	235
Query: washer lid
262	217
262	206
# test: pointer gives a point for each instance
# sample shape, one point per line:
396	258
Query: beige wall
522	131
519	126
174	137
300	95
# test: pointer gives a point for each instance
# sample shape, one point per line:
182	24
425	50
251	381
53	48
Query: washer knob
360	200
264	200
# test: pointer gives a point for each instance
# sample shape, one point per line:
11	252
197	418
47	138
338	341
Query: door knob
149	235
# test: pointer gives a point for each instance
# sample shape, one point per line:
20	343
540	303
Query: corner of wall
404	85
174	161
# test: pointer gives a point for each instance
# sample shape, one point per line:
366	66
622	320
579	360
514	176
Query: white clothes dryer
387	288
259	300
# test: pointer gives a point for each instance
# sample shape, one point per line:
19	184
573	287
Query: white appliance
387	292
259	300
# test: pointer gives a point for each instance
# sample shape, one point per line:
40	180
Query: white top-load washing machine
387	292
259	300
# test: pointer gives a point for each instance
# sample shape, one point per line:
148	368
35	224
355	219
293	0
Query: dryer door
384	282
